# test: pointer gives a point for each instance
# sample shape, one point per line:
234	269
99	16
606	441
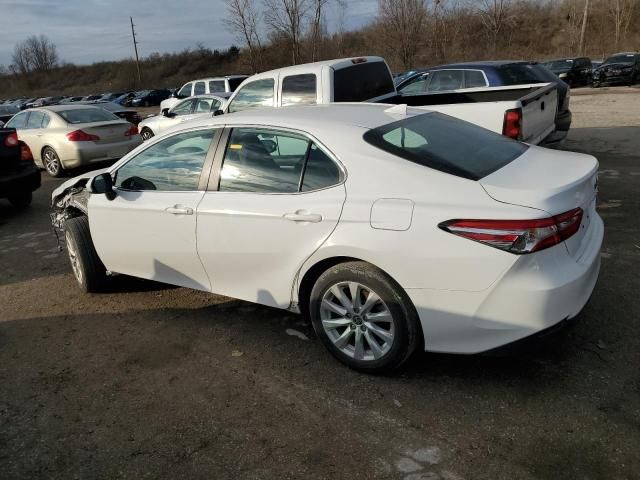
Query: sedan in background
188	109
391	231
125	113
63	137
149	98
7	111
618	69
575	72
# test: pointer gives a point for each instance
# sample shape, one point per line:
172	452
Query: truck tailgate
539	110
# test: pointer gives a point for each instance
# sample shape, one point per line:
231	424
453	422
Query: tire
395	333
22	200
146	134
87	267
51	162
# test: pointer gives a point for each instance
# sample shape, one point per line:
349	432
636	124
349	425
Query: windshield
620	59
143	93
87	115
446	144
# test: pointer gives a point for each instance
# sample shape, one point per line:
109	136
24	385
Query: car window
362	81
216	86
235	83
35	120
445	80
202	105
265	161
199	88
522	73
173	164
46	118
416	85
253	95
183	108
87	115
299	90
18	121
433	140
185	91
474	79
320	171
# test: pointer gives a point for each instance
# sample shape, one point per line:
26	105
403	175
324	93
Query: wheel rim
146	135
357	321
51	162
73	257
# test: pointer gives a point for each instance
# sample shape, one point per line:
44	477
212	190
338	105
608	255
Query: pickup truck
523	112
19	176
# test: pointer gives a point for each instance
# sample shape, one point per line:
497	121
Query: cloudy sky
86	31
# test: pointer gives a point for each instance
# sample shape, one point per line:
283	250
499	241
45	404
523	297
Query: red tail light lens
25	153
133	130
512	126
518	236
11	140
80	136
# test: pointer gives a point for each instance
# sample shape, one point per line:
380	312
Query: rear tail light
512	126
518	236
25	153
133	130
80	136
11	140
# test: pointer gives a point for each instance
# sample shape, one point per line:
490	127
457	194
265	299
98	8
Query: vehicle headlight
562	75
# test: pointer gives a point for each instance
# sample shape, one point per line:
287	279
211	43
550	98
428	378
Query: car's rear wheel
146	134
87	267
21	200
364	317
51	162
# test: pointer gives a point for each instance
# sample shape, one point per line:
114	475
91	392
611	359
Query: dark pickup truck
19	176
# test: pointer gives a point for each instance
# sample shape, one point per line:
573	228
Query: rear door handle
303	216
179	210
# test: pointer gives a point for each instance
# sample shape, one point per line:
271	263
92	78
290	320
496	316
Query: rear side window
474	79
446	144
45	120
361	82
199	88
35	120
299	90
253	95
216	86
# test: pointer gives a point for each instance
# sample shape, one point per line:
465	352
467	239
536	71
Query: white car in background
391	230
217	85
187	109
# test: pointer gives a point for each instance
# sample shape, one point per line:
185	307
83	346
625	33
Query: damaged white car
391	228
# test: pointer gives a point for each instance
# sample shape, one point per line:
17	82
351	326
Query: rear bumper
26	179
563	124
537	292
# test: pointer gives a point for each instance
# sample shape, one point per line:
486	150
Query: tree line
408	33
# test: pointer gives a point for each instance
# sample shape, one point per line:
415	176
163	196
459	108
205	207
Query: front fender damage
69	203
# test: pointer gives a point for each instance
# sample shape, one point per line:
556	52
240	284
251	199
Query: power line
135	47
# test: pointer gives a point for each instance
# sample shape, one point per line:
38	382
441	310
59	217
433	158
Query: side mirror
165	112
218	112
103	183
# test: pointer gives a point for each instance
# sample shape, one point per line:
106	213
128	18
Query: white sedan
187	109
392	229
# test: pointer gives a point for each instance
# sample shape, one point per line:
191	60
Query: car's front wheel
146	134
21	200
87	267
364	317
52	163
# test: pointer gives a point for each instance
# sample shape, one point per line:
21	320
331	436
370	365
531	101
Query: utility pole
584	27
135	47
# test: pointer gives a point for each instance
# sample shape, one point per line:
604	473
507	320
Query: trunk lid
109	132
552	181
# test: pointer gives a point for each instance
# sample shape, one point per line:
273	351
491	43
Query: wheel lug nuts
353	326
363	328
348	315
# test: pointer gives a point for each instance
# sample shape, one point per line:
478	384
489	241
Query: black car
576	72
19	176
150	98
621	68
130	116
7	111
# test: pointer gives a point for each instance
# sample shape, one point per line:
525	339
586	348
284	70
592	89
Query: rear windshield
87	115
446	144
235	82
523	73
361	82
620	59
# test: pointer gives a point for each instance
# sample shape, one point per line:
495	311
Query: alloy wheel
51	162
72	249
146	134
357	321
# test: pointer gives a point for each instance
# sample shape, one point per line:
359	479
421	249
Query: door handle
303	216
179	210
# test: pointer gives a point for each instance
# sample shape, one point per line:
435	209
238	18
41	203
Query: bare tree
446	22
243	22
621	12
35	54
316	28
403	22
495	16
286	17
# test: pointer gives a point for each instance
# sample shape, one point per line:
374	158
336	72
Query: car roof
225	77
478	64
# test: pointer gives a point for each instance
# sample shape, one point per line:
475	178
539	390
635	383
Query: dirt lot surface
152	381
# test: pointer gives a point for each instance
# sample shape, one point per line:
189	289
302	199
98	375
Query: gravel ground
152	381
